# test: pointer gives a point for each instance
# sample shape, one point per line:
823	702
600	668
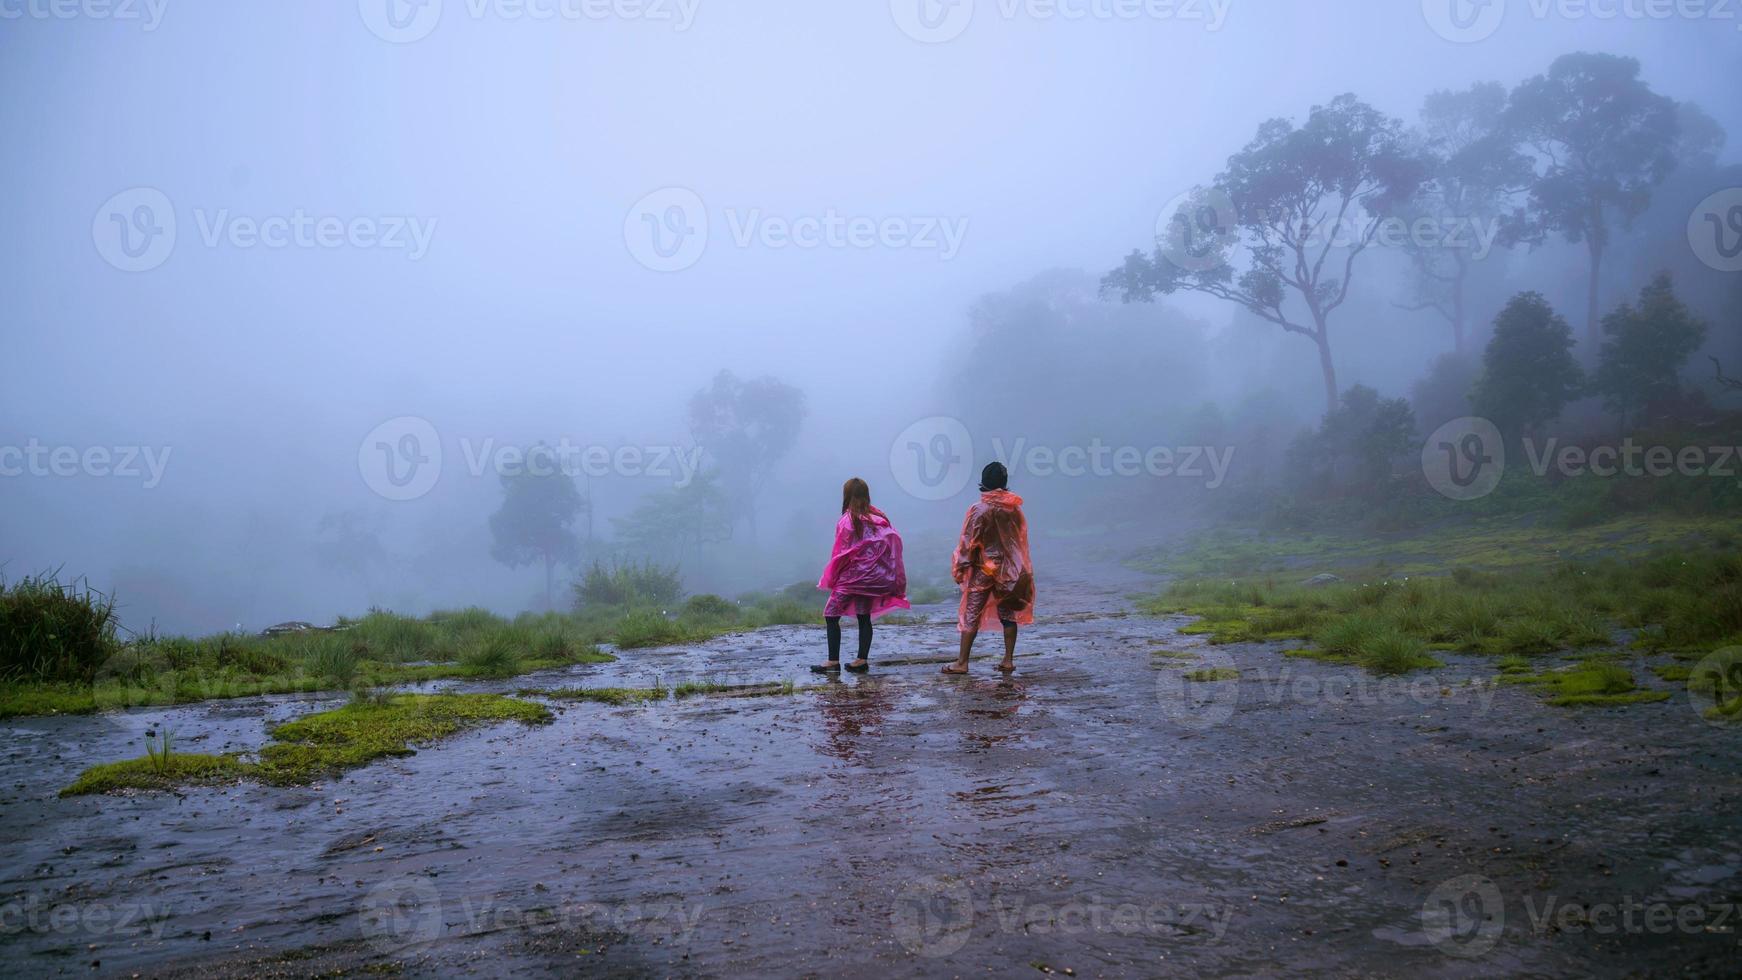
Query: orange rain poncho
992	565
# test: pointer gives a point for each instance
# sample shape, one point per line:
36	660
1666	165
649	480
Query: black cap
994	477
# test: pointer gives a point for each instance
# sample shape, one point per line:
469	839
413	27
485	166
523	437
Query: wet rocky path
1098	814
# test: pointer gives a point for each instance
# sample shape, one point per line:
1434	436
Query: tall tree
536	520
1305	202
1528	370
746	426
1644	349
1603	141
1474	169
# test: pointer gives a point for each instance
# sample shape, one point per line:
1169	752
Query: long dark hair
856	500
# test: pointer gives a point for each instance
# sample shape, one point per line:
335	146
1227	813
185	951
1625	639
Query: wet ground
1098	814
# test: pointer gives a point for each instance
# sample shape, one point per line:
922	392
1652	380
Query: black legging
834	624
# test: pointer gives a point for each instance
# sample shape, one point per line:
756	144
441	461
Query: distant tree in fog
536	520
1356	443
1528	370
1443	394
1603	141
746	427
1474	168
672	525
1644	349
350	541
1305	202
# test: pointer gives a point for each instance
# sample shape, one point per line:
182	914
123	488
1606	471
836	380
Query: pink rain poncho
865	573
992	566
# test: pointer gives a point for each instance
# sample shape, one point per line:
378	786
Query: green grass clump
1393	651
1687	599
709	607
1210	674
497	654
690	689
627	585
143	773
1593	681
605	695
647	628
363	731
1719	678
318	745
52	632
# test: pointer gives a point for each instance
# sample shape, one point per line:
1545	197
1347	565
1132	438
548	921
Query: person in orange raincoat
992	566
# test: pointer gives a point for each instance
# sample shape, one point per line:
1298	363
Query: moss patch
1592	682
150	774
1213	674
322	744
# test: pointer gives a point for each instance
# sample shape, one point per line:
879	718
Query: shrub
496	655
627	585
54	632
647	628
709	607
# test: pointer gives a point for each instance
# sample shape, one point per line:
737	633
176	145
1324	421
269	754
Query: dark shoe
832	667
859	668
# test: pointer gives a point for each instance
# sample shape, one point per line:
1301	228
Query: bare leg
1009	664
961	664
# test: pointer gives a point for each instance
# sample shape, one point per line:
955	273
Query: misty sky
519	148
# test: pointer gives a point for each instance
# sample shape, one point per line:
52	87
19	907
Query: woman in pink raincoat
992	566
864	577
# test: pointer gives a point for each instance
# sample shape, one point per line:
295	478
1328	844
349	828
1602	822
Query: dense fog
291	288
